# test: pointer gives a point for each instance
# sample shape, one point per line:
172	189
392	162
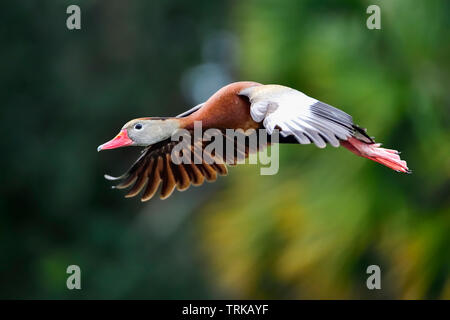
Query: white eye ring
138	126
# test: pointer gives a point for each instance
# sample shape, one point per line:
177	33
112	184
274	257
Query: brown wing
155	167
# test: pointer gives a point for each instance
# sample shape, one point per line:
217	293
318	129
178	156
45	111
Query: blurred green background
308	232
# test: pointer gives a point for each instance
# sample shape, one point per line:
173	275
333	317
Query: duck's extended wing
305	118
311	121
156	166
190	111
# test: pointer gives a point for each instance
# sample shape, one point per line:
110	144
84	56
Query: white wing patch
307	119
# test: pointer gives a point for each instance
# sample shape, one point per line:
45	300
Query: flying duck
240	106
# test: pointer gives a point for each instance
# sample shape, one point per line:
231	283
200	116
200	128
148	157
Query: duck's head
142	132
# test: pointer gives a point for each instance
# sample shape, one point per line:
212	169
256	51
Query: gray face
145	132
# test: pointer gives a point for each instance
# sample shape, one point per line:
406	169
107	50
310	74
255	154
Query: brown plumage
233	112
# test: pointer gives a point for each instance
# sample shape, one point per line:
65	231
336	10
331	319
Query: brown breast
225	110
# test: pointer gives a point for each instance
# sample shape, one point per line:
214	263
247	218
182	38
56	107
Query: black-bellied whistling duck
240	105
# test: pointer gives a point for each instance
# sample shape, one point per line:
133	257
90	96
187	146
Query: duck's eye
138	126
